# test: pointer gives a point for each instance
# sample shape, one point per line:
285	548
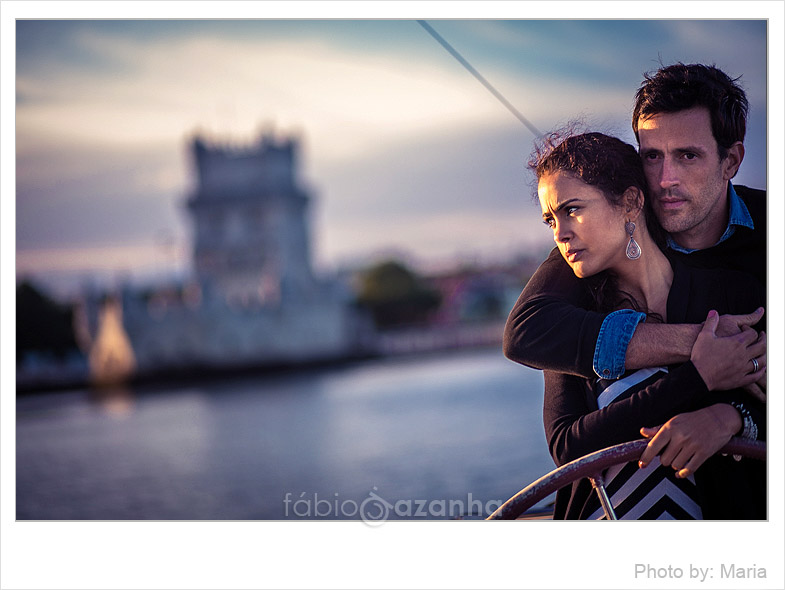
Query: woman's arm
574	428
717	364
685	441
549	326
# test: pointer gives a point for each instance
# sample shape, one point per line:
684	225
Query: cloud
347	100
395	133
102	155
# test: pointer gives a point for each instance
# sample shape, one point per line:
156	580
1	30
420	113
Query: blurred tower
254	300
251	243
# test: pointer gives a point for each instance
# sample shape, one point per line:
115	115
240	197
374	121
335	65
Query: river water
436	437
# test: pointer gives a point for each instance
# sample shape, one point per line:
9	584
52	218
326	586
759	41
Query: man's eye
689	156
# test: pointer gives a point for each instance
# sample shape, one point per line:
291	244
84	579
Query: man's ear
731	163
633	202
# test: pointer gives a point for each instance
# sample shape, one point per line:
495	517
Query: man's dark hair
679	87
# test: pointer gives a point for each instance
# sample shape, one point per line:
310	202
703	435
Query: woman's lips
573	255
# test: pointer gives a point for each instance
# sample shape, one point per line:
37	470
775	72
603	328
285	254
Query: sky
403	150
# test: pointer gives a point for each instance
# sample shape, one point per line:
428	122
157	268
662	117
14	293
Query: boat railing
592	466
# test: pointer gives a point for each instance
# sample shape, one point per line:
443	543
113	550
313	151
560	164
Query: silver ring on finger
754	365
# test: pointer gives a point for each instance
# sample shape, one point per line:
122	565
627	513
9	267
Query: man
690	122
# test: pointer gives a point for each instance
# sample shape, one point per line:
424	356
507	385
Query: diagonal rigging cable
451	50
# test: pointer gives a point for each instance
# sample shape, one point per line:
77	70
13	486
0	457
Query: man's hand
758	389
685	441
733	324
730	325
726	362
666	344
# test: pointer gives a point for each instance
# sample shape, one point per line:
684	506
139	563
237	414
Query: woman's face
588	230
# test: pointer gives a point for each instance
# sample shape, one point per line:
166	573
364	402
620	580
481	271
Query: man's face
688	181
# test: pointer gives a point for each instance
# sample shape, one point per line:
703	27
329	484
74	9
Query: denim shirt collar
739	217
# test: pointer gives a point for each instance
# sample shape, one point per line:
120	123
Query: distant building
251	242
253	298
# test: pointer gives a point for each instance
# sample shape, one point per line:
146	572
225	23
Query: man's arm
672	343
550	328
660	344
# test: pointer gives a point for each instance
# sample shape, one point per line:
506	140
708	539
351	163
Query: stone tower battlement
224	170
251	241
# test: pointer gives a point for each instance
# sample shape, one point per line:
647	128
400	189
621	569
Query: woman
592	191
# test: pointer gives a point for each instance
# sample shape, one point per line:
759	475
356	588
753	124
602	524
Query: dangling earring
633	249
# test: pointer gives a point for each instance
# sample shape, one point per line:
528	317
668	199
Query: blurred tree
395	295
43	326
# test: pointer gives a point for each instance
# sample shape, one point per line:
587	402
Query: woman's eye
548	221
571	210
